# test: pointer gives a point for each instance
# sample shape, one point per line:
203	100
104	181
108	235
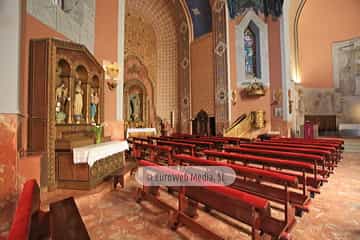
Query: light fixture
111	74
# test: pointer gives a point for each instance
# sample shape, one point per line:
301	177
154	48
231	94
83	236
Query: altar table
85	167
92	153
140	132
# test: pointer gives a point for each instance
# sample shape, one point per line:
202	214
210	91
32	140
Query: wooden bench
298	145
324	153
200	144
313	159
152	152
301	167
30	222
247	208
118	176
179	147
313	142
271	185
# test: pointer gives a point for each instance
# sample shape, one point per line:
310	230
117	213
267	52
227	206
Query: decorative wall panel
220	65
163	47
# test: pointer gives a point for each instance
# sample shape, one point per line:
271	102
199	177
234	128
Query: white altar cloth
140	130
92	153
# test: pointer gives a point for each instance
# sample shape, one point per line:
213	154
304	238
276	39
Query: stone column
121	50
219	26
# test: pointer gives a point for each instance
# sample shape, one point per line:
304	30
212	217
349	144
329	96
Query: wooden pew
301	167
313	159
30	222
324	153
219	142
298	145
142	140
179	147
200	145
314	142
338	142
249	209
161	154
276	187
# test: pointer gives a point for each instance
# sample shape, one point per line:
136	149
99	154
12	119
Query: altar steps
352	145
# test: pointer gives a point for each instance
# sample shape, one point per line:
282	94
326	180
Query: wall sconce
111	74
233	97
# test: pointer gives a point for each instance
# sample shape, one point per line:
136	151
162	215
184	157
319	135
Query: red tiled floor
334	214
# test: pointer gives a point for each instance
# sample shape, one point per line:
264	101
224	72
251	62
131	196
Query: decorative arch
137	78
171	27
260	29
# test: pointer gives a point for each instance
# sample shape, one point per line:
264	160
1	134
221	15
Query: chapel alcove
139	95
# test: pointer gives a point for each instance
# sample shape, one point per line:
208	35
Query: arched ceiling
200	11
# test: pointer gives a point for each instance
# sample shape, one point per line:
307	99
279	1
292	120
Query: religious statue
135	108
61	94
94	101
78	102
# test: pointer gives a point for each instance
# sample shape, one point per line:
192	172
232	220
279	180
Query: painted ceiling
200	11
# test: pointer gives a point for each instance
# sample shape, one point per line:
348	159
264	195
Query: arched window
250	52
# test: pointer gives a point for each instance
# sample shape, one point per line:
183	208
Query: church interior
108	108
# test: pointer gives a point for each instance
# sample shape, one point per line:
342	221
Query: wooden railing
240	127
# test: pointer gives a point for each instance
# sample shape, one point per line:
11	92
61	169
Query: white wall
77	22
121	49
10	30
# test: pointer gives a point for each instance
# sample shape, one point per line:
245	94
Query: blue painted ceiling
200	11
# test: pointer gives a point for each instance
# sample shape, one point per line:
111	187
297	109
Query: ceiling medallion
186	101
221	96
220	48
184	63
183	27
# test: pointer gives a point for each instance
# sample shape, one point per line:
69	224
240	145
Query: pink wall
106	38
8	157
202	75
323	22
244	104
106	48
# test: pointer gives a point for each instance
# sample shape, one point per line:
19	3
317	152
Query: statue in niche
61	94
94	101
78	102
135	111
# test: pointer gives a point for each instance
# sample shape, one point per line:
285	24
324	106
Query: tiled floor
334	214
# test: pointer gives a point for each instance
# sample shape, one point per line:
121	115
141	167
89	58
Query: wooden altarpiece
64	77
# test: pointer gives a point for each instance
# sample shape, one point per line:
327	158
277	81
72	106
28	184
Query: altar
349	129
140	132
86	166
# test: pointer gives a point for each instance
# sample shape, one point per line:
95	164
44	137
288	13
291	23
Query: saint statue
94	101
61	94
78	102
135	108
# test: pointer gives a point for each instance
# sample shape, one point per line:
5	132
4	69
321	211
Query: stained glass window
250	52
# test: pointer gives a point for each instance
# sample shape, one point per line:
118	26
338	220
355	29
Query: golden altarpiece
66	99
